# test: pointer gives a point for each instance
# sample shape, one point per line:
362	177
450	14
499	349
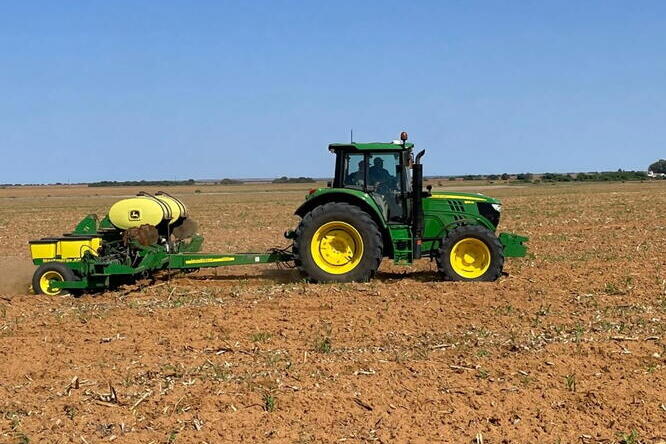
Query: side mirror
429	188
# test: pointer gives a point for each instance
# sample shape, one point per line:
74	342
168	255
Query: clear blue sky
94	90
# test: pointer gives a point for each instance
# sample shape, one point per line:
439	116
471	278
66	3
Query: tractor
375	207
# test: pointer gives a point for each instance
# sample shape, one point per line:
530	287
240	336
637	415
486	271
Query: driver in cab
385	188
377	174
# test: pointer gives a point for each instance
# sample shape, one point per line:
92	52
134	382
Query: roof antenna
351	137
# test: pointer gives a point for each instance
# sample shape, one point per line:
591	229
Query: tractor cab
381	170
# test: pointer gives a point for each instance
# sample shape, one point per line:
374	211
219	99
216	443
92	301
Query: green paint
372	146
513	244
192	261
88	225
323	195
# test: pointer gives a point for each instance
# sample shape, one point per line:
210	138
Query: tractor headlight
490	211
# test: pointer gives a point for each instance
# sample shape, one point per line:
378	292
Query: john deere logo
134	215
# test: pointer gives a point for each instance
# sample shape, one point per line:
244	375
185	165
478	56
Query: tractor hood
470	197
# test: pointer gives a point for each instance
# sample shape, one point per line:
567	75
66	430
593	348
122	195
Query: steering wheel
387	187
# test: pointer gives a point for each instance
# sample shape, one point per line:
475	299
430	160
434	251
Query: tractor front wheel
52	271
337	242
470	253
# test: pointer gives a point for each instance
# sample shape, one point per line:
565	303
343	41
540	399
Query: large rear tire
470	253
45	273
338	242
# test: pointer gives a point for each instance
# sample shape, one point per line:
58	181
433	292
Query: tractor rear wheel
470	253
337	242
52	271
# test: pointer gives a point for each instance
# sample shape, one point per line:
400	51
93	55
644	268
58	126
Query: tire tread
479	232
363	272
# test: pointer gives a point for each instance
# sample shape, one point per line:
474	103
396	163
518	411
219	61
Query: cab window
385	184
384	171
354	171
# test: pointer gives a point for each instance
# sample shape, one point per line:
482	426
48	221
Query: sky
129	90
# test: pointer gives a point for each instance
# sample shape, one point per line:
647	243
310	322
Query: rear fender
352	197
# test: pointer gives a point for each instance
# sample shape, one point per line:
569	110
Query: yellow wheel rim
470	258
337	247
45	280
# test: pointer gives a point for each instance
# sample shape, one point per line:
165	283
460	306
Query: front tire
338	242
45	273
470	253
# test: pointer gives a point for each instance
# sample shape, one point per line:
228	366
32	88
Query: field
569	347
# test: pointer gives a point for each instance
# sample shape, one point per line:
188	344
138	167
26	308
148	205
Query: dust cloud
16	275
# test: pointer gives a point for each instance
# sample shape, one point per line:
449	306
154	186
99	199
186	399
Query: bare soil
567	347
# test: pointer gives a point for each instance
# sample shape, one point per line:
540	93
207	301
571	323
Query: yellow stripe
204	261
65	259
456	196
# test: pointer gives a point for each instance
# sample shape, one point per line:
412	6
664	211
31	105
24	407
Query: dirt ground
568	347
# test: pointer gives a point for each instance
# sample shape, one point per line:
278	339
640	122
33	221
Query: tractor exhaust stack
417	208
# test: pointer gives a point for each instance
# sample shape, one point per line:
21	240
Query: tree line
604	176
141	183
285	179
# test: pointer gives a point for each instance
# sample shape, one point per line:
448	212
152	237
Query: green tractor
376	207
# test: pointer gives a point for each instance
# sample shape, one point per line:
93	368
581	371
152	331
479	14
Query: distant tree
285	179
226	181
505	176
557	177
493	177
658	167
